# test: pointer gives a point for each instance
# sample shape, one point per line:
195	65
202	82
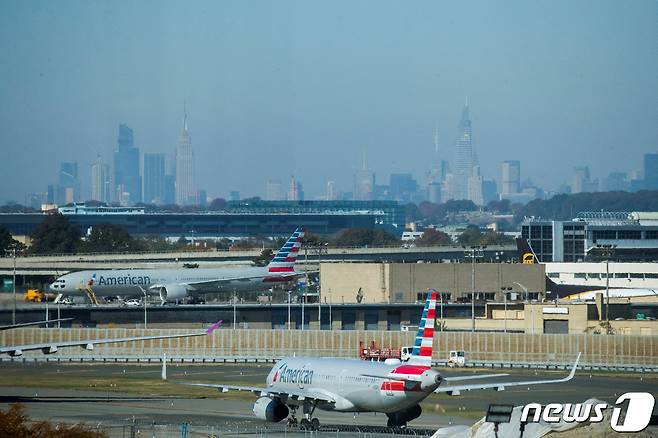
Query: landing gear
308	422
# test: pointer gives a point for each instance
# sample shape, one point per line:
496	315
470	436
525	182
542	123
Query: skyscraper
511	178
100	181
296	192
154	178
273	190
68	187
331	191
465	157
651	171
185	192
128	187
364	182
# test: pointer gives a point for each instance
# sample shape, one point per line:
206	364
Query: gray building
127	181
464	157
100	181
185	190
511	178
68	184
594	236
651	171
154	178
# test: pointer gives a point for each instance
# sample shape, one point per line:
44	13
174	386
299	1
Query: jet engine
270	410
400	418
172	292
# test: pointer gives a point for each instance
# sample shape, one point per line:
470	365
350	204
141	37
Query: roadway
114	394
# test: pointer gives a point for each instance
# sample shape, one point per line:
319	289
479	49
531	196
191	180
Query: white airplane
352	385
176	284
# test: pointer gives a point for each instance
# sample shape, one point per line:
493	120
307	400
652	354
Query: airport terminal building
595	236
237	219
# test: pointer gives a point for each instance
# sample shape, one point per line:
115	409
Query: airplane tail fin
526	253
285	258
422	351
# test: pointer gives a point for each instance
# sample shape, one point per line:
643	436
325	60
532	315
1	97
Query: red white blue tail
285	258
422	351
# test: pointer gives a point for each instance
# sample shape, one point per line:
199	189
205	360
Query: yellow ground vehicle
33	296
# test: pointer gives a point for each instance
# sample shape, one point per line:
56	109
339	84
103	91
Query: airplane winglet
164	366
575	366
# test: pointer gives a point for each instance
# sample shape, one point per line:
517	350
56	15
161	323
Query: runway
116	394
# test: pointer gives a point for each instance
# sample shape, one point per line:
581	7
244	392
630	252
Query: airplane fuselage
132	282
354	385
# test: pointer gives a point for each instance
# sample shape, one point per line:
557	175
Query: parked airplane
176	284
350	385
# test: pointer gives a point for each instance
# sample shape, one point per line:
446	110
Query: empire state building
185	192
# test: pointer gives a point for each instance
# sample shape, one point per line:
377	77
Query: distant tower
511	178
331	191
154	178
364	182
464	157
273	190
185	192
68	189
128	186
100	181
296	192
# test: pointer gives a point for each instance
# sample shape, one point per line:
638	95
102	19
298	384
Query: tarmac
119	395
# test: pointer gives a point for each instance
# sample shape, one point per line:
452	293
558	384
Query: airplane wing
27	324
299	395
500	386
474	377
87	344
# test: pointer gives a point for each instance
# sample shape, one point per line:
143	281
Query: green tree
7	241
111	238
473	236
16	424
365	237
432	236
55	235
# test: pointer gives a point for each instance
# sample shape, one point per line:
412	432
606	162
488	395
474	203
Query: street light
12	251
475	251
505	291
607	251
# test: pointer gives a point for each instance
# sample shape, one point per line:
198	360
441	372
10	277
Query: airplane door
388	387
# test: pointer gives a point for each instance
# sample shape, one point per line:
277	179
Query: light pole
441	301
505	291
475	251
234	309
320	249
289	322
607	251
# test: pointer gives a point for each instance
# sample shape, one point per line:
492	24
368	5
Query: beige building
401	283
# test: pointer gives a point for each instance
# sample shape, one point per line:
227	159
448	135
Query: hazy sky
276	88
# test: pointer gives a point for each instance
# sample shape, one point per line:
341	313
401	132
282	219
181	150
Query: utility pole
12	251
475	251
289	321
607	251
505	291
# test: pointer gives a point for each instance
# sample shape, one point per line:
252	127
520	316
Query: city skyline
275	90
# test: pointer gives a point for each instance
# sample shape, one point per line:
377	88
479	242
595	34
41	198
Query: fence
603	350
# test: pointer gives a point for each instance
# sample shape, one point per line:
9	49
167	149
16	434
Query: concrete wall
400	282
223	343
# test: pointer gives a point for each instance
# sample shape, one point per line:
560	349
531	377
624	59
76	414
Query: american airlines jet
176	284
351	385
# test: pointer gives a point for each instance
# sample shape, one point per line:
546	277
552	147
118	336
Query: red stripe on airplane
431	313
425	351
428	332
410	369
281	269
